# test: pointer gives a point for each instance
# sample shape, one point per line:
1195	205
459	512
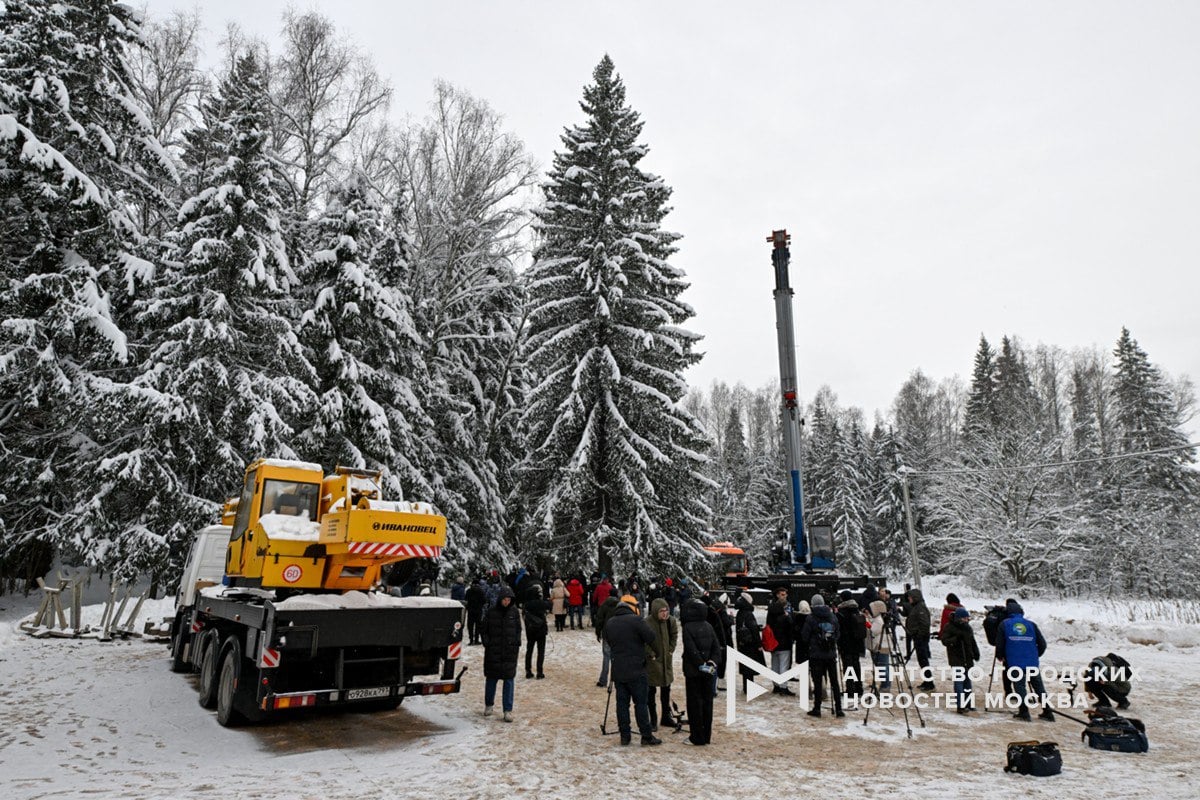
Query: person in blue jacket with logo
1020	646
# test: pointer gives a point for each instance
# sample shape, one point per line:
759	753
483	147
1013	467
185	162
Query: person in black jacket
700	648
627	635
535	630
749	637
852	642
476	600
821	633
501	631
779	620
718	618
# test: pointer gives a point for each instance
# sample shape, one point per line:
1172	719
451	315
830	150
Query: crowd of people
639	627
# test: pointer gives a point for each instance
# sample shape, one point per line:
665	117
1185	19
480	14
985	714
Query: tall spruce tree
614	462
980	416
73	148
365	350
224	354
1146	419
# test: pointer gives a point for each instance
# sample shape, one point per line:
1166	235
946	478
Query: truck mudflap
326	697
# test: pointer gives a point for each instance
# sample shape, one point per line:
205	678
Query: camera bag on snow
1034	758
1106	730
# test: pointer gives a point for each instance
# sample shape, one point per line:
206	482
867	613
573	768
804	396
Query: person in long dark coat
535	631
501	632
700	646
476	601
749	636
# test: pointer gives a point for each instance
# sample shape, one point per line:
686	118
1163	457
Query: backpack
825	640
1106	730
1034	758
991	623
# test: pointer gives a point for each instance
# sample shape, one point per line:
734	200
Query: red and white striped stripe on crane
386	549
454	651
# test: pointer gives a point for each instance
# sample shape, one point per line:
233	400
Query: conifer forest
204	266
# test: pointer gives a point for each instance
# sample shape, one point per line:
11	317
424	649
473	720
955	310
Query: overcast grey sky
945	168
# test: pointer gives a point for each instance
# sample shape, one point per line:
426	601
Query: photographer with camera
701	653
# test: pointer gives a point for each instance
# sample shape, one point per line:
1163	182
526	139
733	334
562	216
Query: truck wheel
179	640
208	670
227	690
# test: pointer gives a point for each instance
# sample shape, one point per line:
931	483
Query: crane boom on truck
294	617
807	560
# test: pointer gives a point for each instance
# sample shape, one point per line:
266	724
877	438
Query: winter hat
803	608
961	613
845	595
629	600
746	597
952	598
817	600
669	582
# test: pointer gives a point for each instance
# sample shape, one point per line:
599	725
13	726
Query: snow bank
1078	620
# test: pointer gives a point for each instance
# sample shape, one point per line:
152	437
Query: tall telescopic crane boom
790	420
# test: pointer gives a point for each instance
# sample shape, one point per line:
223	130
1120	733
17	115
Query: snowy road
90	719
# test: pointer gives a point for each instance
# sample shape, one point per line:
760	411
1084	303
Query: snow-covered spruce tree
74	150
614	464
364	348
464	179
980	416
766	504
885	537
224	353
1146	419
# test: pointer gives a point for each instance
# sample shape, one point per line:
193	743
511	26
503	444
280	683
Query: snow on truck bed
320	602
317	602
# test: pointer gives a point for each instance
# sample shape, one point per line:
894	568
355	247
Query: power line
1047	465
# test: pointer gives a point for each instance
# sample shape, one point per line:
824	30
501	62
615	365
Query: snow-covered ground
83	718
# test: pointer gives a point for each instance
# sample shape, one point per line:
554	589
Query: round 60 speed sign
292	573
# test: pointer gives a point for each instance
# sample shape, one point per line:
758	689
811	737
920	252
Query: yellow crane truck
295	616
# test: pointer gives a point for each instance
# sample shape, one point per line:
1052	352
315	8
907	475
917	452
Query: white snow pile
319	602
289	527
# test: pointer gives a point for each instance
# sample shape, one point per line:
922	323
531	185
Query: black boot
626	738
651	739
1047	715
816	712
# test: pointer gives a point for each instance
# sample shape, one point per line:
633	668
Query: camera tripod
898	671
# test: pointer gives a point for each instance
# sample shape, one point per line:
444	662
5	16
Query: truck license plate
367	694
